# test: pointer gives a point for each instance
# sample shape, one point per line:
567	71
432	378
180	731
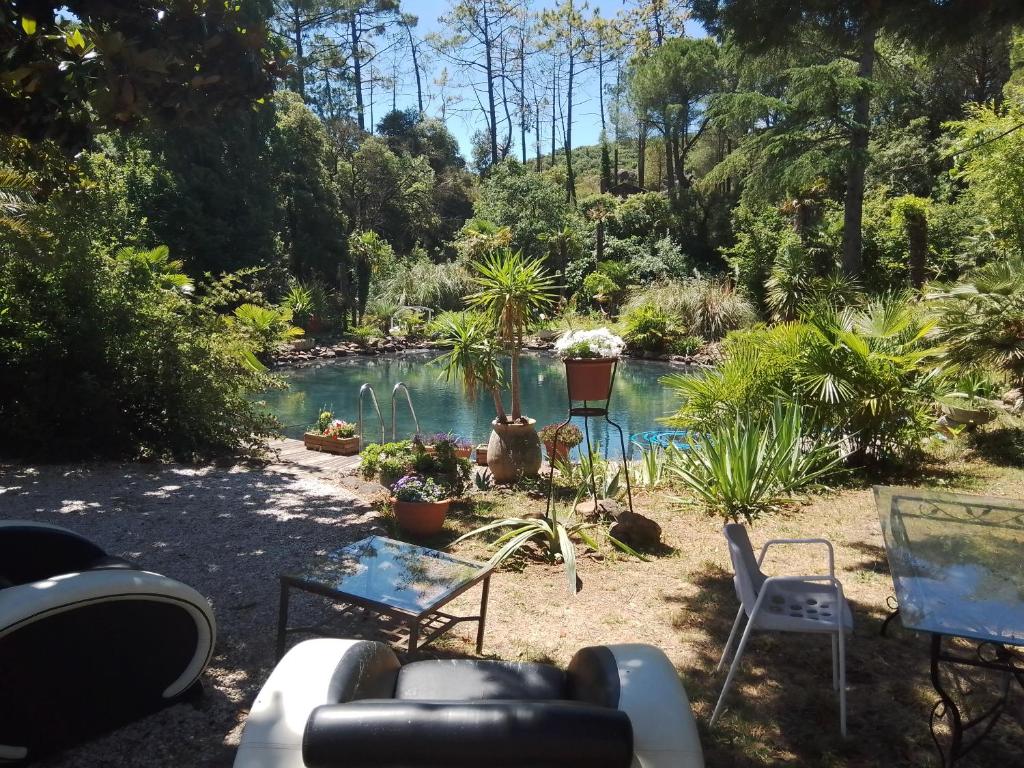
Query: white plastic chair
812	604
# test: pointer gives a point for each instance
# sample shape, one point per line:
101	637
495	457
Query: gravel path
226	531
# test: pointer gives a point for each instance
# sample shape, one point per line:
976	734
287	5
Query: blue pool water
638	400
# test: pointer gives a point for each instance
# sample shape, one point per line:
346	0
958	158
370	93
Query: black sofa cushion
471	680
496	734
30	553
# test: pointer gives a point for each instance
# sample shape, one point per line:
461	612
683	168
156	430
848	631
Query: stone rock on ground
636	530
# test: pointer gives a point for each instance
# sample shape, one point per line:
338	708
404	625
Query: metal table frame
430	622
988	655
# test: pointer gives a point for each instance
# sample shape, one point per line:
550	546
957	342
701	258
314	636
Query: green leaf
28	24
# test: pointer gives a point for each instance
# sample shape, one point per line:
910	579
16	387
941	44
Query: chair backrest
748	577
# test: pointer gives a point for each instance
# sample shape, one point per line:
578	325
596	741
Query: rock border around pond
294	357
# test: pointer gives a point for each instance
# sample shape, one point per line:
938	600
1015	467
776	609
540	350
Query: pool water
638	400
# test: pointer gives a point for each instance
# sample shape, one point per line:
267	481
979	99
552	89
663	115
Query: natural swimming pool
638	400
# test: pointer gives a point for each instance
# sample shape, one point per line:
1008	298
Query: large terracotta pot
590	378
513	451
972	417
421	518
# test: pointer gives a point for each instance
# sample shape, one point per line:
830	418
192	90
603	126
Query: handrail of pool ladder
394	405
373	398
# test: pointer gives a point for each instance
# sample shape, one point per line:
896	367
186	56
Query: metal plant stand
588	411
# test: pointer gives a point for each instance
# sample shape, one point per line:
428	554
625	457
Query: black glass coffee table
404	582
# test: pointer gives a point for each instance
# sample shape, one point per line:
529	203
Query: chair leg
835	662
842	682
732	636
732	670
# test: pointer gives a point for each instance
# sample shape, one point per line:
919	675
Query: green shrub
388	462
870	375
108	356
649	328
705	308
687	345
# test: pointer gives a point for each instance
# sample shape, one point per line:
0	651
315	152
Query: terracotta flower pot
973	417
481	454
562	453
421	518
513	451
589	378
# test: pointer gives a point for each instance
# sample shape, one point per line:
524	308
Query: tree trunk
357	68
853	213
516	404
917	237
554	99
522	95
570	182
641	151
537	119
600	83
300	69
416	69
499	406
489	66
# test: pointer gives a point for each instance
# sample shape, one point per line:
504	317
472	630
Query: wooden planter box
462	453
344	446
481	454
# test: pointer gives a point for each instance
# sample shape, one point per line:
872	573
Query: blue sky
586	122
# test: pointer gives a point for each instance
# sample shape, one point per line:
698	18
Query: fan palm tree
512	292
981	319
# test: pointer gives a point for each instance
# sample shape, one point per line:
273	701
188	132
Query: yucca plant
512	291
552	534
754	465
472	356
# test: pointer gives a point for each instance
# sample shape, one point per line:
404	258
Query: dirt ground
230	531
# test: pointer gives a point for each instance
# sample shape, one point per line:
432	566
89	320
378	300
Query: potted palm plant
512	292
420	505
589	358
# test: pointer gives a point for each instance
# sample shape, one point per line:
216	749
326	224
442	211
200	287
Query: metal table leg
998	659
483	615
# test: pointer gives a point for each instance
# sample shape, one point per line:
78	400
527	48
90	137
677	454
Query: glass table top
391	573
957	562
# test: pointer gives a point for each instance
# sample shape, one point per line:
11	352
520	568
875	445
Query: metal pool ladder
394	406
373	399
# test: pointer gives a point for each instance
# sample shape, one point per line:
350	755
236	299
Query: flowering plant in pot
512	293
460	445
332	436
420	504
569	436
589	358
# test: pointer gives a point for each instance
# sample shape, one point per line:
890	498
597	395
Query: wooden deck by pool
293	452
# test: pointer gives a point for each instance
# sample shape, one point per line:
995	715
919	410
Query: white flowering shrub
599	342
